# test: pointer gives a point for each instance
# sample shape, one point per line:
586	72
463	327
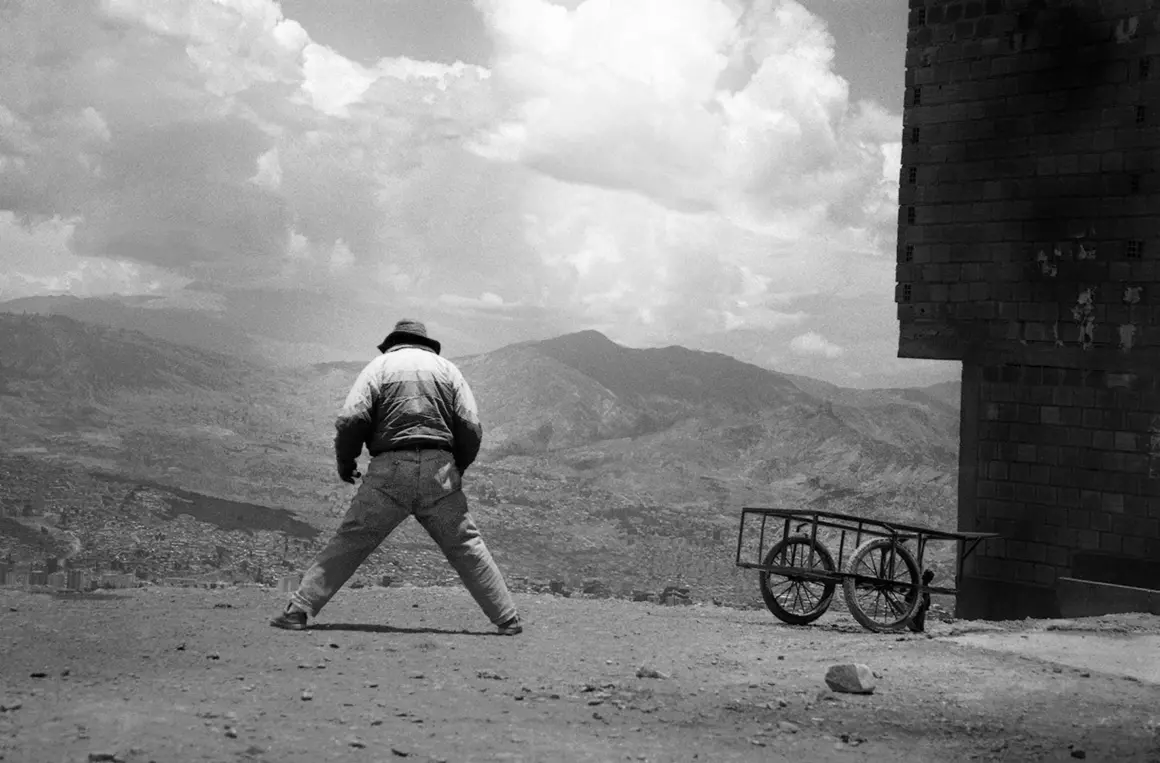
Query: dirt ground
170	675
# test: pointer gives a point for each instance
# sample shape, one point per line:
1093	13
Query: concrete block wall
1029	249
1064	466
1029	180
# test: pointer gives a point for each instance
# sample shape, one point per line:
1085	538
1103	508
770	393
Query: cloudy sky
720	174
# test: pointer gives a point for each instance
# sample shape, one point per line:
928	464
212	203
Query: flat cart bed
798	573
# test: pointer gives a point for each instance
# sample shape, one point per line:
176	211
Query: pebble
307	696
788	727
103	757
1078	754
398	750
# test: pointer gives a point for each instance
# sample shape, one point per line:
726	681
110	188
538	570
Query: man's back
410	397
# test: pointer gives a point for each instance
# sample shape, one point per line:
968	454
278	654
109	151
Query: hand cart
884	583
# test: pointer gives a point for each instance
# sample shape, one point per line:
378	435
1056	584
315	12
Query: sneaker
511	627
290	620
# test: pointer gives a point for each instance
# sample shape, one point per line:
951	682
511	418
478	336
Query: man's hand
348	472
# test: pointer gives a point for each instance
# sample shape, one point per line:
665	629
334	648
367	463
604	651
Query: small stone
850	678
646	672
788	727
398	750
1078	754
371	685
307	696
757	742
213	656
486	673
103	757
7	707
181	647
231	732
358	744
39	674
1057	669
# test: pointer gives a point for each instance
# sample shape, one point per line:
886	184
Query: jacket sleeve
355	423
466	427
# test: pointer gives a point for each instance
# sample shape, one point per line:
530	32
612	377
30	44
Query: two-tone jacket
409	397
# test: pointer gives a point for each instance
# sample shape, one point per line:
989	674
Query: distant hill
56	352
200	329
593	454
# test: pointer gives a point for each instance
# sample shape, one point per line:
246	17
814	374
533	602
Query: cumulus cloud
813	343
698	104
658	169
37	260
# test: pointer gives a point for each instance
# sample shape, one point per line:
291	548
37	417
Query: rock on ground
850	678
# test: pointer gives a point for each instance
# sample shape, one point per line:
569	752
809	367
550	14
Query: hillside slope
599	460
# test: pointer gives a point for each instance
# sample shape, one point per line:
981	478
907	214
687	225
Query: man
416	415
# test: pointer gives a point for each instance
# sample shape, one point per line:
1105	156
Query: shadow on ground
378	628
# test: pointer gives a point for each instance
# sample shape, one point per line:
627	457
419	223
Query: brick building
1029	249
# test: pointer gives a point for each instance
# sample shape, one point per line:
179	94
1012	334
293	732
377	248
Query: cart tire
900	595
794	551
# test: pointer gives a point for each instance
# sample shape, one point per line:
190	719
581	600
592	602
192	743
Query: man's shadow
371	628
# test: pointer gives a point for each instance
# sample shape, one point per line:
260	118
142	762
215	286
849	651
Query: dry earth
162	674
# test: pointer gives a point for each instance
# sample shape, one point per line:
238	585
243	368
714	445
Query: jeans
425	483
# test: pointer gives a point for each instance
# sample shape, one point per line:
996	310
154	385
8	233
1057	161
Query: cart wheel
794	599
889	603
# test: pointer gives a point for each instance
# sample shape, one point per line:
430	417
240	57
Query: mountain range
599	460
289	331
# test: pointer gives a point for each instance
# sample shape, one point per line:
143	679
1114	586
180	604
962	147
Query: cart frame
897	533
